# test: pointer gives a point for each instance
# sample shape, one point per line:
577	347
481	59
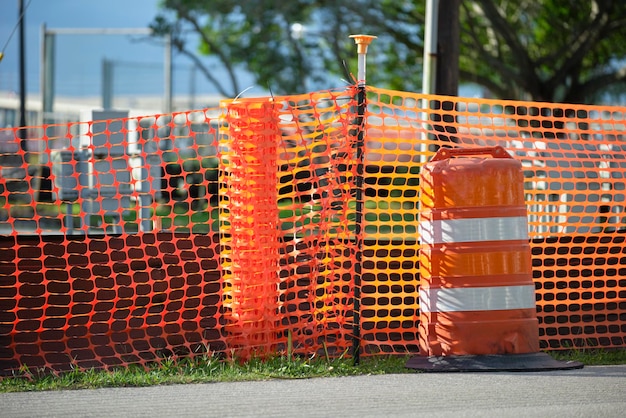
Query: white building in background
107	173
69	109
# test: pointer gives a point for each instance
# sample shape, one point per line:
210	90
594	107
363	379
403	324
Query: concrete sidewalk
594	391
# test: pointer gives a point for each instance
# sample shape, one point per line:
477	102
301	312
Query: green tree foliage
259	36
550	50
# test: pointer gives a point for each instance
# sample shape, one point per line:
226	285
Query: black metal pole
360	143
22	71
362	42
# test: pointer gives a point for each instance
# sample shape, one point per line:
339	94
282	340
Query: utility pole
441	66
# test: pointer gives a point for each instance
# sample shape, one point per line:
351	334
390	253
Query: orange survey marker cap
363	42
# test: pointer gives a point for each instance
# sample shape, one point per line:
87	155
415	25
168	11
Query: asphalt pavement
593	391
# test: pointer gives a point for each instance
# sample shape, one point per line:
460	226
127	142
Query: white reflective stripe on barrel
461	299
473	229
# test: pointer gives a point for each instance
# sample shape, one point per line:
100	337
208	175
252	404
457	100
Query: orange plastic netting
242	230
574	160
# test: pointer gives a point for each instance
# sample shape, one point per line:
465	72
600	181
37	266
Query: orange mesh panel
574	160
393	155
317	159
108	254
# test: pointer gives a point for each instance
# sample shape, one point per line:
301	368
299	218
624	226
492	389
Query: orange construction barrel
477	296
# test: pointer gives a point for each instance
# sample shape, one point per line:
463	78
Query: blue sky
138	61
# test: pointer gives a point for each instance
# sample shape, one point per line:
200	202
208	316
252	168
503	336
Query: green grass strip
212	369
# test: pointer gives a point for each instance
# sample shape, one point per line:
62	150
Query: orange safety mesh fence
317	159
574	160
237	230
108	252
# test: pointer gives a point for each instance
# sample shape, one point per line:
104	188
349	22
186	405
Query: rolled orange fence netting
249	227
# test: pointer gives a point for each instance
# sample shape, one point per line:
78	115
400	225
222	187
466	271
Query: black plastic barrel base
532	362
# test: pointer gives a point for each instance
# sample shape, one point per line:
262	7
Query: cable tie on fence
242	92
